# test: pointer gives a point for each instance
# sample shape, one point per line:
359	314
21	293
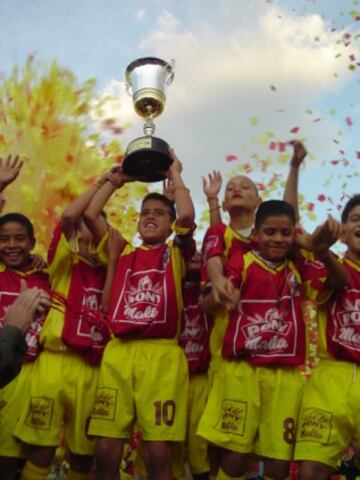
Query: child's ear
342	237
254	235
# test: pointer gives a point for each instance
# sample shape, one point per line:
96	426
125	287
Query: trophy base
147	159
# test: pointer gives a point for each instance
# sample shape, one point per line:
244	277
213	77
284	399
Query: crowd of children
197	354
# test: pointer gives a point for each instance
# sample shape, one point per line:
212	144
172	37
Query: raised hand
168	190
325	235
212	184
299	154
9	170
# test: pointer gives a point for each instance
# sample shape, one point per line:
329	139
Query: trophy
147	158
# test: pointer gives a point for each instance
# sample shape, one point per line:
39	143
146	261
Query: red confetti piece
358	155
352	57
231	158
357	18
281	146
261	187
348	121
272	146
321	197
294	130
310	206
334	162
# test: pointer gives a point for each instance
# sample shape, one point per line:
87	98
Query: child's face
275	237
240	192
15	245
351	231
155	223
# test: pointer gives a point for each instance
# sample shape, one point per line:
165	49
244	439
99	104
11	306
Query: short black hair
21	219
350	204
161	198
276	208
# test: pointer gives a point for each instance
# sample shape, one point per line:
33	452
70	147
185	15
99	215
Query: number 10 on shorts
164	412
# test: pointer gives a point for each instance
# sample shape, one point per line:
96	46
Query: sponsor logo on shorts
315	426
40	413
232	417
105	404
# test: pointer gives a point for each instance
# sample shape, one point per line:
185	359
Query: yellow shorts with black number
330	412
63	388
13	398
253	409
142	380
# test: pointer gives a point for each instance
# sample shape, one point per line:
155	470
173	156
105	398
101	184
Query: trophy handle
170	77
128	89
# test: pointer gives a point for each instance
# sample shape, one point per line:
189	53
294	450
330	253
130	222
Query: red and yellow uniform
14	395
253	404
221	241
64	381
330	416
143	370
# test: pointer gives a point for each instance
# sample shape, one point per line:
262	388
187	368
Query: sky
250	75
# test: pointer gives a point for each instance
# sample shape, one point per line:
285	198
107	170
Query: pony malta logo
348	324
272	325
143	300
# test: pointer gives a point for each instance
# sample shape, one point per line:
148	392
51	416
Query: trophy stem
149	127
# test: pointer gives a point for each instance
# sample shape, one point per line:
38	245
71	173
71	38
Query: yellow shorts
330	413
253	409
197	447
13	398
142	380
63	388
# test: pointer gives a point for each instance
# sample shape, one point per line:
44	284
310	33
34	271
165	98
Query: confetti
273	88
348	121
231	158
321	197
294	130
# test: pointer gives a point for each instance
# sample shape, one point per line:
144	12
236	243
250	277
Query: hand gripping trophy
147	158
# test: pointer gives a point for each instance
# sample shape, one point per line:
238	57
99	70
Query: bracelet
212	198
181	187
214	208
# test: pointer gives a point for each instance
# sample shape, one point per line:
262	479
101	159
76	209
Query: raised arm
9	170
292	182
183	202
92	214
114	247
72	214
211	188
323	238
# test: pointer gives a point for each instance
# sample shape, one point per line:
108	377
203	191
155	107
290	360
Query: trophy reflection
147	158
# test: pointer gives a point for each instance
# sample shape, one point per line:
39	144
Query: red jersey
343	318
9	291
146	297
195	331
79	283
268	327
222	241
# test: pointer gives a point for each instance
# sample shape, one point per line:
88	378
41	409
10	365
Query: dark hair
161	198
275	208
350	204
21	219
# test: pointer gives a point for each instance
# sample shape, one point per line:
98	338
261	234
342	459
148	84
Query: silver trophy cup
147	158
